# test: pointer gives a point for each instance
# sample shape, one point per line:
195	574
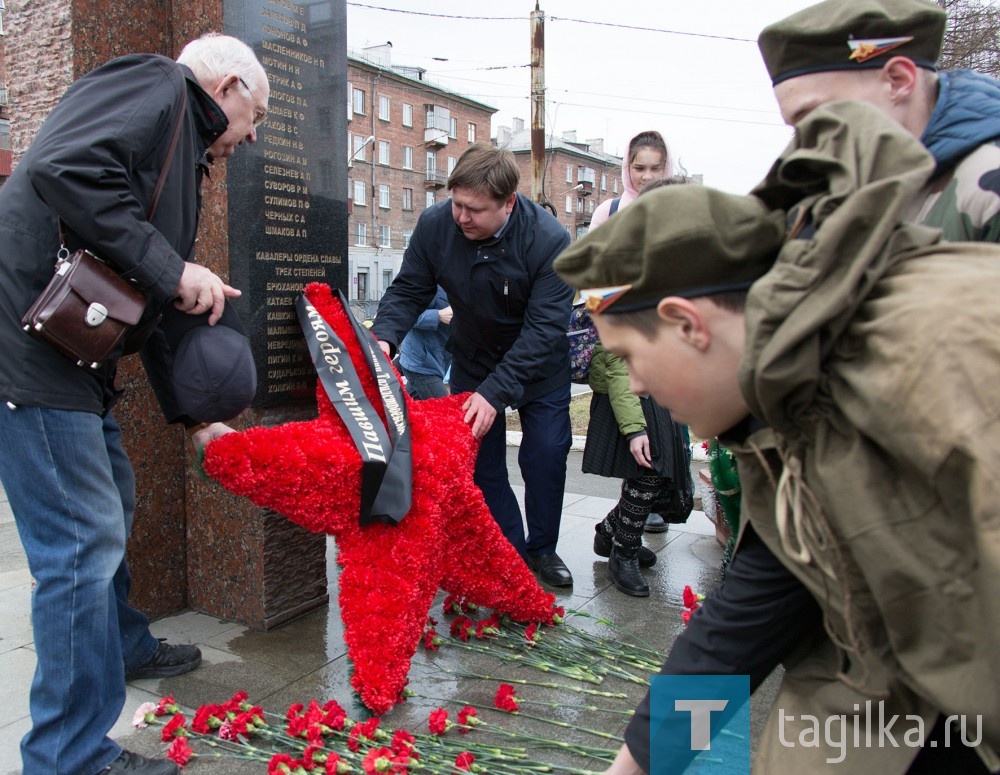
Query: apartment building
578	176
404	138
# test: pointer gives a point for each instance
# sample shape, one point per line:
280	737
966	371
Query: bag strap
614	205
160	181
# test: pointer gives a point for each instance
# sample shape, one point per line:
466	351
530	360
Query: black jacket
508	333
94	163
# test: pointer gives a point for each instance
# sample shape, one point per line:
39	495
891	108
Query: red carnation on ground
437	722
174	728
505	699
464	761
180	752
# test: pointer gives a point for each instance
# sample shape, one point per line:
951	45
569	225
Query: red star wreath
311	473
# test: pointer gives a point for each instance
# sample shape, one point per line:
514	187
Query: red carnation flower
464	761
505	699
467	718
180	752
174	728
437	722
166	705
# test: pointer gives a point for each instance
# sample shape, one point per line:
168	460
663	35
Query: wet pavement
306	658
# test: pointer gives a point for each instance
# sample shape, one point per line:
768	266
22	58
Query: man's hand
624	764
203	434
444	315
639	447
201	290
385	348
479	414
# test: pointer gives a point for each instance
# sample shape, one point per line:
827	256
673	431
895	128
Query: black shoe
129	762
602	548
655	524
168	661
625	574
552	570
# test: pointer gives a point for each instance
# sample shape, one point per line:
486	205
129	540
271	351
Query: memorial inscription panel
287	216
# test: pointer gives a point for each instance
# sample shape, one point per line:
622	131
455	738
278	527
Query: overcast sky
690	69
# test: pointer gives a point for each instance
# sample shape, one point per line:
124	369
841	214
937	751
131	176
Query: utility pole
537	104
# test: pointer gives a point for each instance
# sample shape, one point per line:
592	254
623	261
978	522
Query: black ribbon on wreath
386	454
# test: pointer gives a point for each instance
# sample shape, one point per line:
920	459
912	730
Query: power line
555	19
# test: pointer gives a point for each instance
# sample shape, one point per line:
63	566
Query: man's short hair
852	35
486	169
213	56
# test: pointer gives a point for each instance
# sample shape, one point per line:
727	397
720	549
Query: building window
326	176
452	161
429	199
383	107
407	198
323	119
604	182
361	234
359	102
407	233
569	204
360	198
386	279
383	195
407	157
431	165
438	119
385	236
569	173
614	186
360	148
383	152
472	133
362	279
350	95
453	128
407	115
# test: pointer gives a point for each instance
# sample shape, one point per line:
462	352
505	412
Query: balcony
435	137
435	179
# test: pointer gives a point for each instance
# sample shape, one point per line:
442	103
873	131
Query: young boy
862	407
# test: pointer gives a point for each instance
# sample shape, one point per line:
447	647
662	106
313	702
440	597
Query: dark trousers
545	444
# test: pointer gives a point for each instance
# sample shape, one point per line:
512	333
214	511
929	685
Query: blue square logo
699	724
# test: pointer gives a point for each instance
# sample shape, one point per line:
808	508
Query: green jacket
873	355
609	375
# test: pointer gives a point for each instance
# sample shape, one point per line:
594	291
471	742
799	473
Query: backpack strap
614	205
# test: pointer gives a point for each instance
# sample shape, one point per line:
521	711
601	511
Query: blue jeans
72	491
545	442
421	386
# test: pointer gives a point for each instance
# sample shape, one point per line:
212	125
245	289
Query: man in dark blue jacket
423	356
492	249
93	167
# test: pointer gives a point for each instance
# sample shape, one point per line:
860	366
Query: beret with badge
852	35
685	241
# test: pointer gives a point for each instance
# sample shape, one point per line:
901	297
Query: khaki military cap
685	241
852	35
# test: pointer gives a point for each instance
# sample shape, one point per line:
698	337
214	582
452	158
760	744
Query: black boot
624	570
602	546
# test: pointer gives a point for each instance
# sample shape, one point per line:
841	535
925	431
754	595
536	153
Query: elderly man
88	178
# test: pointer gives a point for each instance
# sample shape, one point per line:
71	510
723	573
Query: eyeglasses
259	114
599	299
